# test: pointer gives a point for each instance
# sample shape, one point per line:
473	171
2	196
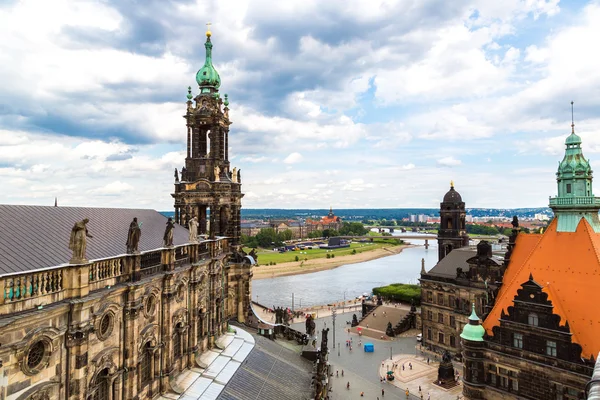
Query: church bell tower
452	233
208	188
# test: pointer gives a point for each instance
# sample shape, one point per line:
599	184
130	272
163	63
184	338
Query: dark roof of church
37	237
456	258
452	196
271	372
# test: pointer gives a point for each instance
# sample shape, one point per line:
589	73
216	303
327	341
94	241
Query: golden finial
451	183
208	33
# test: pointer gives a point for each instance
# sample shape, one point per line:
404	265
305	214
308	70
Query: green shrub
328	255
354	251
400	292
333	256
297	258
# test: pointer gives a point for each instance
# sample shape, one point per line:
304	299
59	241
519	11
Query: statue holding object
78	242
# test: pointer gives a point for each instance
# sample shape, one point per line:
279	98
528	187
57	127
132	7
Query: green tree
315	234
353	229
268	238
330	233
286	235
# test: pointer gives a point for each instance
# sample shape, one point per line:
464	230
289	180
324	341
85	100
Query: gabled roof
457	258
37	237
567	265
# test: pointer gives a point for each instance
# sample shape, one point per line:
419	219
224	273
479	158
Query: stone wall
124	330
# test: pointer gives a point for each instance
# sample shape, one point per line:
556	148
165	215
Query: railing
151	259
33	285
106	269
575	200
52	285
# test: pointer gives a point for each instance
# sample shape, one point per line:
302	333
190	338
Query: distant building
330	221
542	335
541	217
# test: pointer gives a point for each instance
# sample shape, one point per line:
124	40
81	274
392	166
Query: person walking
337	373
382	392
407	393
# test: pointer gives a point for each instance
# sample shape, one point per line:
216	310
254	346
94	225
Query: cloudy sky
351	104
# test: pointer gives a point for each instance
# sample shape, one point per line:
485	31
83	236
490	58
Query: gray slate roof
36	237
271	372
456	258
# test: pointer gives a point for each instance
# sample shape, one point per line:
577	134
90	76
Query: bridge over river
425	237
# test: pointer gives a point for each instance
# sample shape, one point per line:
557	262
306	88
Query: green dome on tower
473	331
573	139
207	77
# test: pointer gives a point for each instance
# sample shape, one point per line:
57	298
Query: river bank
322	264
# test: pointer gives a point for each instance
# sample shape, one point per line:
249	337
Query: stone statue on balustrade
217	173
234	175
168	236
239	176
78	242
310	326
133	237
193	227
176	175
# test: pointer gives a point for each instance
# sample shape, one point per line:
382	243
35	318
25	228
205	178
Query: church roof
452	196
37	237
567	265
457	258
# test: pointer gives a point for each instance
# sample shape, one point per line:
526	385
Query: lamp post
344	303
333	318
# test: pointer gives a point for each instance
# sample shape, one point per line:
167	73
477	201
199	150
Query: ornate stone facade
462	278
124	326
531	354
118	328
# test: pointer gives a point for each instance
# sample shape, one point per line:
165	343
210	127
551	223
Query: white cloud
293	158
448	162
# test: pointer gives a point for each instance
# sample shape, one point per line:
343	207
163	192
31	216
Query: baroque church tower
208	189
575	199
452	233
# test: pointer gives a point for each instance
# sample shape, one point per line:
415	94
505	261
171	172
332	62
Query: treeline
269	238
493	230
400	292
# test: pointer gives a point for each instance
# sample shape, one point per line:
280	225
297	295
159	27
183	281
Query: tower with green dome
473	357
575	199
208	188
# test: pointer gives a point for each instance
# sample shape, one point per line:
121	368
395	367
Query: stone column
189	141
240	300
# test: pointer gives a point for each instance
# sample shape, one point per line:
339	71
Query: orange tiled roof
567	265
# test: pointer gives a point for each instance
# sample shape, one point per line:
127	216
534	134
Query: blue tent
369	348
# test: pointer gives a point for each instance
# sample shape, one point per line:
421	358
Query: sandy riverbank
321	264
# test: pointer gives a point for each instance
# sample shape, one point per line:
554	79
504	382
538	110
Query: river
346	281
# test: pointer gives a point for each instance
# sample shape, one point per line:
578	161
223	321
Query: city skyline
377	105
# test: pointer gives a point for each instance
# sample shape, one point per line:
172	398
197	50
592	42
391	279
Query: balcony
575	201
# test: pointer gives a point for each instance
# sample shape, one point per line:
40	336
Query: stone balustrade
37	288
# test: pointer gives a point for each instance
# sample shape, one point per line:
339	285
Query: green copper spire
189	95
207	77
575	198
226	102
473	331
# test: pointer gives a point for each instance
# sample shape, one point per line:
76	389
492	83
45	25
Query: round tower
473	357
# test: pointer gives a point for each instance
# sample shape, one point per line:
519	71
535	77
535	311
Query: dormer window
568	188
532	319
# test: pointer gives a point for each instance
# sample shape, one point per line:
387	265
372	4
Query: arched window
532	319
146	364
103	385
177	341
